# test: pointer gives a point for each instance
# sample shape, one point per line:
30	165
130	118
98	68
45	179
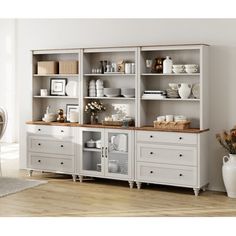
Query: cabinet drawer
178	175
50	146
177	155
166	137
50	130
51	163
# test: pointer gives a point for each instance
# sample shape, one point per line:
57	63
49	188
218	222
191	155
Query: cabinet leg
74	178
81	178
30	173
196	191
138	185
131	184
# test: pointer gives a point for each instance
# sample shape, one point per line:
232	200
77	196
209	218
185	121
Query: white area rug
13	185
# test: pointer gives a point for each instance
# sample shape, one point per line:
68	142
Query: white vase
184	90
167	65
229	174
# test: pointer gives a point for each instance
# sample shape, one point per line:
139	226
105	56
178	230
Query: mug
161	118
43	92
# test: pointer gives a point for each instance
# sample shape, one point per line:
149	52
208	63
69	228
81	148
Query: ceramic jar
167	65
229	174
184	90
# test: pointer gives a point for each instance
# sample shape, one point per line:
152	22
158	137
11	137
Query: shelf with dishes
110	98
172	99
170	74
55	97
111	74
55	75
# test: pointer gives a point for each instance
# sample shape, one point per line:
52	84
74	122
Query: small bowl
91	143
112	92
128	92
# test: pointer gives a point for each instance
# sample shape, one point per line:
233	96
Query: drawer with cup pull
166	174
51	163
175	155
43	145
166	137
50	130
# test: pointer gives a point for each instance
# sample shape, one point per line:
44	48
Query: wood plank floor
100	197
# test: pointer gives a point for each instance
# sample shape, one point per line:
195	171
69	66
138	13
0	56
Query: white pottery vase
229	174
184	90
167	65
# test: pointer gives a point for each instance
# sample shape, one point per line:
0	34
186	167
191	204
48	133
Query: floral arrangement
228	140
94	107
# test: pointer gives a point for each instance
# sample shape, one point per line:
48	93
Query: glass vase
94	119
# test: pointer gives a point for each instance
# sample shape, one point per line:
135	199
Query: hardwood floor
100	197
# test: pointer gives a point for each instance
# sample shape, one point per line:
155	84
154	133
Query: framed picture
69	108
58	86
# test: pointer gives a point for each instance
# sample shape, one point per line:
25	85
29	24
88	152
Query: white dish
71	89
196	90
128	96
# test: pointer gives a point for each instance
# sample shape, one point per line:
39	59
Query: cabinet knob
180	155
151	153
39	129
151	136
180	175
62	131
62	146
39	144
62	163
39	161
151	172
180	138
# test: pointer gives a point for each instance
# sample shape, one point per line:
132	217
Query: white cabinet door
91	158
119	150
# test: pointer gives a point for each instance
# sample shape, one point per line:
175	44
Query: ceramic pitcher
184	90
229	174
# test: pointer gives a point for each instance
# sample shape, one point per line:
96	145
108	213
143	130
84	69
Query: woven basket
178	125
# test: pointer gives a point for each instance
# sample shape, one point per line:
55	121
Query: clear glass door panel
92	151
117	153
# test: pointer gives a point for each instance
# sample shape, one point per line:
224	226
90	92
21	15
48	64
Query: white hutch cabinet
168	157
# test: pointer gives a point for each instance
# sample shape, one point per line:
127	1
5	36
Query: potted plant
93	108
228	141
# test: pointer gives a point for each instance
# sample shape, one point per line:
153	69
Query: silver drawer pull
151	172
62	163
180	155
39	161
39	144
39	129
151	136
62	146
180	175
180	138
151	153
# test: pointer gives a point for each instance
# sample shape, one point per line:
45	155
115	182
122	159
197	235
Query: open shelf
110	98
171	74
56	97
173	99
117	75
56	75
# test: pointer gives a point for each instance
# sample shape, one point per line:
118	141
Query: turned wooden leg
74	178
30	173
131	184
81	178
196	191
138	185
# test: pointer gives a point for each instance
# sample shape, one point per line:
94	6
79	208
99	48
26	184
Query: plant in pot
93	108
228	141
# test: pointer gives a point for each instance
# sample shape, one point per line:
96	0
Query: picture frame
58	86
69	108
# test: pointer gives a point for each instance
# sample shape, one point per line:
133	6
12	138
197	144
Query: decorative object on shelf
99	144
154	94
43	92
180	118
49	117
47	67
149	65
92	88
58	86
228	141
68	67
113	166
91	143
61	117
171	125
99	88
71	89
128	68
72	108
117	122
191	68
127	121
184	90
121	66
158	65
94	108
167	65
112	92
177	69
128	92
196	90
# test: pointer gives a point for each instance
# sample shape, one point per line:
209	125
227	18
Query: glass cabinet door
118	153
92	152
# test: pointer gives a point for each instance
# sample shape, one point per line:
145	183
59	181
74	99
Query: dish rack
171	125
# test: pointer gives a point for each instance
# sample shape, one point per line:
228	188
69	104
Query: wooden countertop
144	128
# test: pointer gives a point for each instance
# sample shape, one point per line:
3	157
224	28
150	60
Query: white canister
43	92
161	118
132	68
169	118
74	116
128	68
167	65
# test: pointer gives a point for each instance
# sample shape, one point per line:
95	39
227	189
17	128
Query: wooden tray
116	123
178	125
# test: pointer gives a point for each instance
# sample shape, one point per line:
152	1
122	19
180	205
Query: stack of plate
154	94
172	93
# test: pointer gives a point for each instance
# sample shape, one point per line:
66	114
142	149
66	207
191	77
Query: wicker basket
116	123
47	67
178	125
68	67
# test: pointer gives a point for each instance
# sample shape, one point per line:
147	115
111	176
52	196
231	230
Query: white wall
220	34
7	77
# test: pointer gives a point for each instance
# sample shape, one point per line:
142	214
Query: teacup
176	71
178	66
191	70
191	66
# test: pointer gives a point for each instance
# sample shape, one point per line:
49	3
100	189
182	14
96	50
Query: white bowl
178	66
176	71
189	66
112	92
128	92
